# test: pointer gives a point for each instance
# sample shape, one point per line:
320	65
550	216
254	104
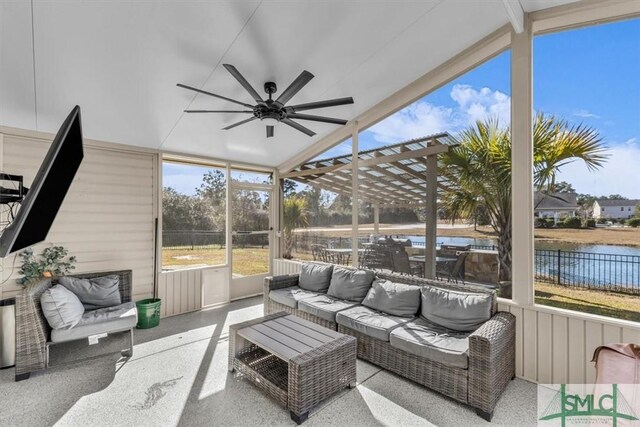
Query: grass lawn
246	261
612	304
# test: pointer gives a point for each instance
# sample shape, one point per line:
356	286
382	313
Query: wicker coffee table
296	362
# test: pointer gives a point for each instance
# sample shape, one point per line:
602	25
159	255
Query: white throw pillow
61	307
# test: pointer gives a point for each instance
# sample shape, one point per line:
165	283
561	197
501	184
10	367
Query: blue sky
587	75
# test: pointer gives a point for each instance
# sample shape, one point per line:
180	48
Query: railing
199	239
619	273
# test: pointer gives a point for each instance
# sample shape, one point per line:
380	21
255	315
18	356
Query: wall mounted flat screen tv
48	189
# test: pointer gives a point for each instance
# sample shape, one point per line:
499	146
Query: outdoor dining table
342	254
439	259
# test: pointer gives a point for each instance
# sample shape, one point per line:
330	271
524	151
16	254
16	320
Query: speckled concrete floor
178	376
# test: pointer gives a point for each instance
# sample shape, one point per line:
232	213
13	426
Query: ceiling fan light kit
271	111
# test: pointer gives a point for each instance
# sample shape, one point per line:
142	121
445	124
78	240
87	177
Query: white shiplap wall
107	218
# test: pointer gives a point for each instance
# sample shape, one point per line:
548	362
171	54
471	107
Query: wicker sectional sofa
474	367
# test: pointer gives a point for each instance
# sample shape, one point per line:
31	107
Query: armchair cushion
315	277
61	307
95	292
350	284
460	311
101	321
397	299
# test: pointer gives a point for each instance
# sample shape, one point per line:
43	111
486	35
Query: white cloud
620	174
631	141
586	114
482	104
423	118
418	119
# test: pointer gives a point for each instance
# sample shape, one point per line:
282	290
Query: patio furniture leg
129	353
487	416
22	377
299	419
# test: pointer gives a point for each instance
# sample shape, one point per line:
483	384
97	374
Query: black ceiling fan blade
245	84
269	131
298	126
300	82
321	104
239	123
214	95
218	111
317	118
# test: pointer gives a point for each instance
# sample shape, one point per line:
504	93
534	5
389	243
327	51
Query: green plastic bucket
148	313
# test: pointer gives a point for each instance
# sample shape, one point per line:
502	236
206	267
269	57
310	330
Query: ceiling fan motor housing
270	88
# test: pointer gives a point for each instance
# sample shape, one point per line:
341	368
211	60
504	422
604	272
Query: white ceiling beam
515	12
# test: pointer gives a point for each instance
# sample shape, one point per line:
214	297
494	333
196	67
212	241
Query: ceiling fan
272	111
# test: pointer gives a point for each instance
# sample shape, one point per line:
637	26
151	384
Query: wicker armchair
32	329
491	349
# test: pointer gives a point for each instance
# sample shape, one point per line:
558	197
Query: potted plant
52	262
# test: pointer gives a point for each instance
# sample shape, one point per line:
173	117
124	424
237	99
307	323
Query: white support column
431	217
354	195
376	218
522	165
277	201
229	226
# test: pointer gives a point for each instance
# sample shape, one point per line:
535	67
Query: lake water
578	247
584	265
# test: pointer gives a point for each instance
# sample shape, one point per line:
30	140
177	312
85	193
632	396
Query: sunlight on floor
388	412
143	393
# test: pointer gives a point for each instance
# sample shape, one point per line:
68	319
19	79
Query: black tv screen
48	189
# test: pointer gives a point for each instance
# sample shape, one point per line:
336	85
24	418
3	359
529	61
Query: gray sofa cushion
100	321
460	311
94	293
61	307
315	277
324	306
397	299
370	322
291	296
350	284
433	342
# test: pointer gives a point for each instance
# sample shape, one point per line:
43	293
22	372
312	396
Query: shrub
588	223
571	222
543	223
634	222
602	220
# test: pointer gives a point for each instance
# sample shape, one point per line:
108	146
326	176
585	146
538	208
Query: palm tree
295	215
478	170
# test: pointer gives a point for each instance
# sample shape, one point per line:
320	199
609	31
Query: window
252	177
317	209
593	267
193	216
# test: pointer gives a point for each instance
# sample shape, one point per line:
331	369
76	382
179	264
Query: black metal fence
198	239
619	273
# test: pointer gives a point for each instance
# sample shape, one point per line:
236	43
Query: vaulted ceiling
120	61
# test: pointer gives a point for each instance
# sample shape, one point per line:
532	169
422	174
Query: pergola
399	175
